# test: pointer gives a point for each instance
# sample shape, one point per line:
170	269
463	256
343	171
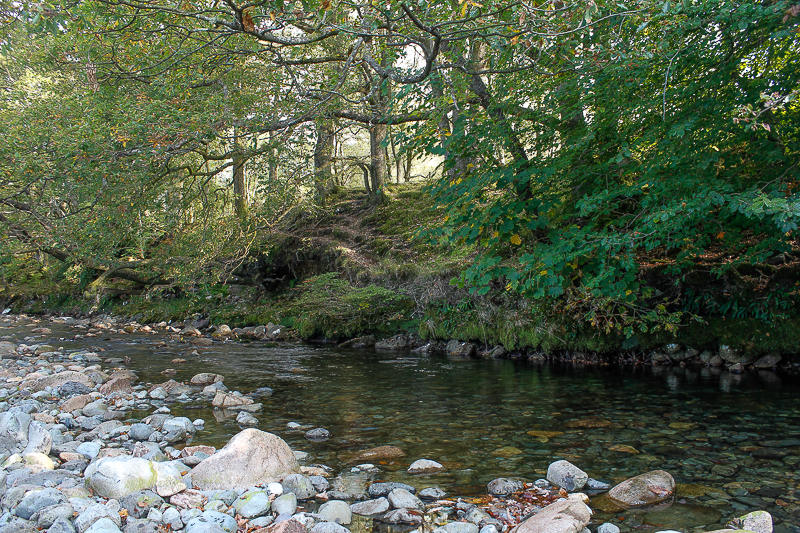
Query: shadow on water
731	441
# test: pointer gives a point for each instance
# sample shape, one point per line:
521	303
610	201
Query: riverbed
732	442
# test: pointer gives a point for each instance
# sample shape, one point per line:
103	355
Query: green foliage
661	174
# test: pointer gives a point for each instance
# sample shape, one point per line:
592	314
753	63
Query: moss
331	307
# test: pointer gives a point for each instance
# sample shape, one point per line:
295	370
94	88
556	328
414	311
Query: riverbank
90	447
354	269
723	358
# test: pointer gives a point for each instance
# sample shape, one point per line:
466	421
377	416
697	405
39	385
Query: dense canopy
630	166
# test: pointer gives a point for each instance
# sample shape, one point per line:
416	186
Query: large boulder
645	489
117	477
569	515
250	458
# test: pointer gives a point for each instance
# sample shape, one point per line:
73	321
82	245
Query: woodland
546	174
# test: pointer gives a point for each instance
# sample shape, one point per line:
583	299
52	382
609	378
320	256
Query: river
732	442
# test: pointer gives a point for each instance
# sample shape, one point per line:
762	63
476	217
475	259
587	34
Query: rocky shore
199	331
77	456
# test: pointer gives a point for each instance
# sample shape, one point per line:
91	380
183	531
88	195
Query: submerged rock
645	489
318	434
457	527
380	452
249	458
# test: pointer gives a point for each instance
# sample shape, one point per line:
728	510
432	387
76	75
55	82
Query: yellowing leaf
516	240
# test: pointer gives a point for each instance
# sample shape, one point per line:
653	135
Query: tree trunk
239	185
323	159
378	169
458	162
239	189
272	165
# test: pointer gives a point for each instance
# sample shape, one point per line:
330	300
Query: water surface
732	442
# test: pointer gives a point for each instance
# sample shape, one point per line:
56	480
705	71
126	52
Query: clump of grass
328	306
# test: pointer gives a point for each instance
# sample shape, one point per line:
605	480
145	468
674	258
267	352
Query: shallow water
731	442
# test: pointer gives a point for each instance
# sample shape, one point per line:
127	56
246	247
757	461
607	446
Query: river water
731	442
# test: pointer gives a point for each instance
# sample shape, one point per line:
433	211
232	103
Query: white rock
251	457
424	466
117	477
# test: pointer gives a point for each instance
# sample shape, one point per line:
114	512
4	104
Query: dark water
731	442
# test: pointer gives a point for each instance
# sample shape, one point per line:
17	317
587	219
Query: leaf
516	240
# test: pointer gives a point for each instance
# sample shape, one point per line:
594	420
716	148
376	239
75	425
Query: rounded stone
299	485
566	475
337	511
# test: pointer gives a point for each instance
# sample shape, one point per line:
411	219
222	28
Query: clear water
731	442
